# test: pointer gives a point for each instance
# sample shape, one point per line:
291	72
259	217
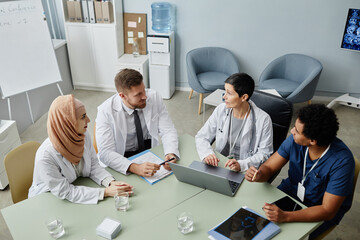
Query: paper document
148	156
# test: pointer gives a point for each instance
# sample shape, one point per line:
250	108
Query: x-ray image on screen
351	38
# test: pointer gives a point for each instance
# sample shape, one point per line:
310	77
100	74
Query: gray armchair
208	68
294	76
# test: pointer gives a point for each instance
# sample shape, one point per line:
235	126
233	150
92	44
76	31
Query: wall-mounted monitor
351	37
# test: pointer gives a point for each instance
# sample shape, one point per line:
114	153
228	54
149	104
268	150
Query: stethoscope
228	112
252	141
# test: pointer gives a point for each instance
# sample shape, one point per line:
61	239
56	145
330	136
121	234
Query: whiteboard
27	56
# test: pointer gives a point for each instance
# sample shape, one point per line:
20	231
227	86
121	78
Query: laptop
216	179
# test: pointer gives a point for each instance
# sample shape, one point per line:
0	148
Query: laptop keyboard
233	186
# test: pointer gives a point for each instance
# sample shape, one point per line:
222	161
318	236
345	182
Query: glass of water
55	227
185	222
122	201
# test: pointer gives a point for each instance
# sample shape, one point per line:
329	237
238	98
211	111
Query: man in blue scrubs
321	170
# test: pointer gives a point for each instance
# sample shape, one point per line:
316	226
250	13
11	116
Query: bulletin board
135	27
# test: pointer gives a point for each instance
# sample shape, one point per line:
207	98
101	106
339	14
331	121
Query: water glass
185	222
122	201
55	227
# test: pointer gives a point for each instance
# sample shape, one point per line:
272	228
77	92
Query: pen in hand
167	161
253	178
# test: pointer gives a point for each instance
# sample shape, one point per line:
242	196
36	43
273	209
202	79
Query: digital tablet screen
287	204
243	225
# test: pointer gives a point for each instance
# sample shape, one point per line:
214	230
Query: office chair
280	111
294	76
356	175
208	68
19	166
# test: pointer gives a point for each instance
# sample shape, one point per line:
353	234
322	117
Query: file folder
91	11
71	11
78	12
107	12
98	12
85	10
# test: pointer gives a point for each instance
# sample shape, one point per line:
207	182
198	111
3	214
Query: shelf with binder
91	11
94	49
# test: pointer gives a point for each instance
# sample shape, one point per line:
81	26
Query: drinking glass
55	227
185	222
122	201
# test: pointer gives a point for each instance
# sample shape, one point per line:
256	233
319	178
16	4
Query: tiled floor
184	115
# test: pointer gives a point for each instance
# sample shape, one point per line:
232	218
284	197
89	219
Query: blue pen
167	161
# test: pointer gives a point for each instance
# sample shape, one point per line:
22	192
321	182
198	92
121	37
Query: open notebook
148	156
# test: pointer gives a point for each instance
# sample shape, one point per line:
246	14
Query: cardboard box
98	12
78	12
107	12
71	11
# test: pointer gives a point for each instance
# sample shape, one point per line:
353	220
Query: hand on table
274	213
116	186
146	169
167	157
211	159
233	164
253	174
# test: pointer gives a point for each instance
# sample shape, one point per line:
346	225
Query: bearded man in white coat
131	121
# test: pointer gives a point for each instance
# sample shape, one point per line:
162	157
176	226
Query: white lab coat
54	173
217	126
111	130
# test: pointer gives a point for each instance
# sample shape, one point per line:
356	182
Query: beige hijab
61	127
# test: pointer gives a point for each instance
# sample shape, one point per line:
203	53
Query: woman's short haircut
242	83
320	123
127	78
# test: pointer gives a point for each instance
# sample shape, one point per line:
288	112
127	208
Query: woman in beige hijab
68	154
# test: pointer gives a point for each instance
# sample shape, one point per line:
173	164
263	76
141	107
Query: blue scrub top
334	174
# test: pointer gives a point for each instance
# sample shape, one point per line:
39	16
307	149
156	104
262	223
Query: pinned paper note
130	40
139	20
131	24
130	34
140	34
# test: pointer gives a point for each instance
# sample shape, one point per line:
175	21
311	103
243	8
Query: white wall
258	31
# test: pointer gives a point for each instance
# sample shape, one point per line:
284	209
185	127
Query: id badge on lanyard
301	189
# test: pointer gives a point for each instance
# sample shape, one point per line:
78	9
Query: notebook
245	224
148	156
216	179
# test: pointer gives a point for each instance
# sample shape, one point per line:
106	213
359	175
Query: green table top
153	208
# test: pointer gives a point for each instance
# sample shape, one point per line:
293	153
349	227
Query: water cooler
161	48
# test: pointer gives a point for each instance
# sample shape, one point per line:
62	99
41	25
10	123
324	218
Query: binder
91	11
98	12
78	12
71	11
107	12
85	10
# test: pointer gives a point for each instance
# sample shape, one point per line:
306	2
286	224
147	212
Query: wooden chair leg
191	92
200	101
309	102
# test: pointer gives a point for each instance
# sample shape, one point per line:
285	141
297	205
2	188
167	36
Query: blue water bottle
162	17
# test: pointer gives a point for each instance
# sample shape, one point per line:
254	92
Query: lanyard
306	153
242	125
